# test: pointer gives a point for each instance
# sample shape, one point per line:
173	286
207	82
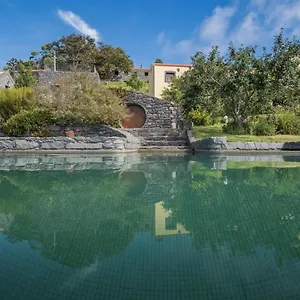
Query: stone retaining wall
221	144
68	144
47	77
86	130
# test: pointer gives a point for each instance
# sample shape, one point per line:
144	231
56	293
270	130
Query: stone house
6	80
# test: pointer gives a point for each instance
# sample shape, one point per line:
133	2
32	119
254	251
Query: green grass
115	84
202	132
263	164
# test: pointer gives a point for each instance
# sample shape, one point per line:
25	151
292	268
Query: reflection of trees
76	217
71	217
258	206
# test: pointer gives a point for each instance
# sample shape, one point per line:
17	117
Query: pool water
149	227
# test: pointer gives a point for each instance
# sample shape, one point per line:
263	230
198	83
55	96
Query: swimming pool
150	227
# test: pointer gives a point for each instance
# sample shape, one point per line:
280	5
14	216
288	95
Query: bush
14	100
199	118
78	99
29	122
287	121
120	91
265	126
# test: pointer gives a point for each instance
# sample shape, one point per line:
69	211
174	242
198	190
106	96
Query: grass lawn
216	130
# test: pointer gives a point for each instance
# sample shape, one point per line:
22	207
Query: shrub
119	91
287	121
78	99
199	118
265	126
14	100
29	122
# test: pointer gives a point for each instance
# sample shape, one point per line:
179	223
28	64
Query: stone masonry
47	77
160	113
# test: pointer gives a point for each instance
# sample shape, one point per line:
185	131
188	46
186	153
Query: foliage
21	72
14	100
174	91
265	126
199	118
135	83
158	61
283	66
77	98
76	51
201	87
120	92
110	59
29	122
287	121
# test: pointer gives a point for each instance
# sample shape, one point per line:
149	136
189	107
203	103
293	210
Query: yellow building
160	76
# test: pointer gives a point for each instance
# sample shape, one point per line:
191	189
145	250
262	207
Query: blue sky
170	29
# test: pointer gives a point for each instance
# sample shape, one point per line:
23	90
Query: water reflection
198	226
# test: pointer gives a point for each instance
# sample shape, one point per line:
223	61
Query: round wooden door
136	119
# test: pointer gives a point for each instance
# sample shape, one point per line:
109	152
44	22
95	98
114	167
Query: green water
149	227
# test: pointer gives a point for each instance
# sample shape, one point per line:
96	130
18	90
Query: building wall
51	77
158	72
5	78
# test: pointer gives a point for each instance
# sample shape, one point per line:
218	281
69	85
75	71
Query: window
146	73
116	73
169	76
170	223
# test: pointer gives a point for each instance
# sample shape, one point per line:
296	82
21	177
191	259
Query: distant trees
158	61
75	52
241	83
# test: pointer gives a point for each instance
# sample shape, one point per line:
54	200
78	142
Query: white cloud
80	25
248	31
161	38
215	27
256	25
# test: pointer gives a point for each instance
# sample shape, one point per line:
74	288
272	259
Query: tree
174	91
73	51
199	89
158	61
134	82
21	72
244	84
110	59
283	64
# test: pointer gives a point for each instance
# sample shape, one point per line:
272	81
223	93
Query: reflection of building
165	224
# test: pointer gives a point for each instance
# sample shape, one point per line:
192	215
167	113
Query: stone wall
221	144
86	130
159	113
125	143
47	77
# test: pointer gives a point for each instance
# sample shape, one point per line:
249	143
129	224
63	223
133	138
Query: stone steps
161	138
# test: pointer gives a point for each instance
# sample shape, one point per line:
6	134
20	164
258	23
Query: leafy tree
158	61
201	86
283	64
110	59
76	51
135	82
21	72
174	91
243	84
